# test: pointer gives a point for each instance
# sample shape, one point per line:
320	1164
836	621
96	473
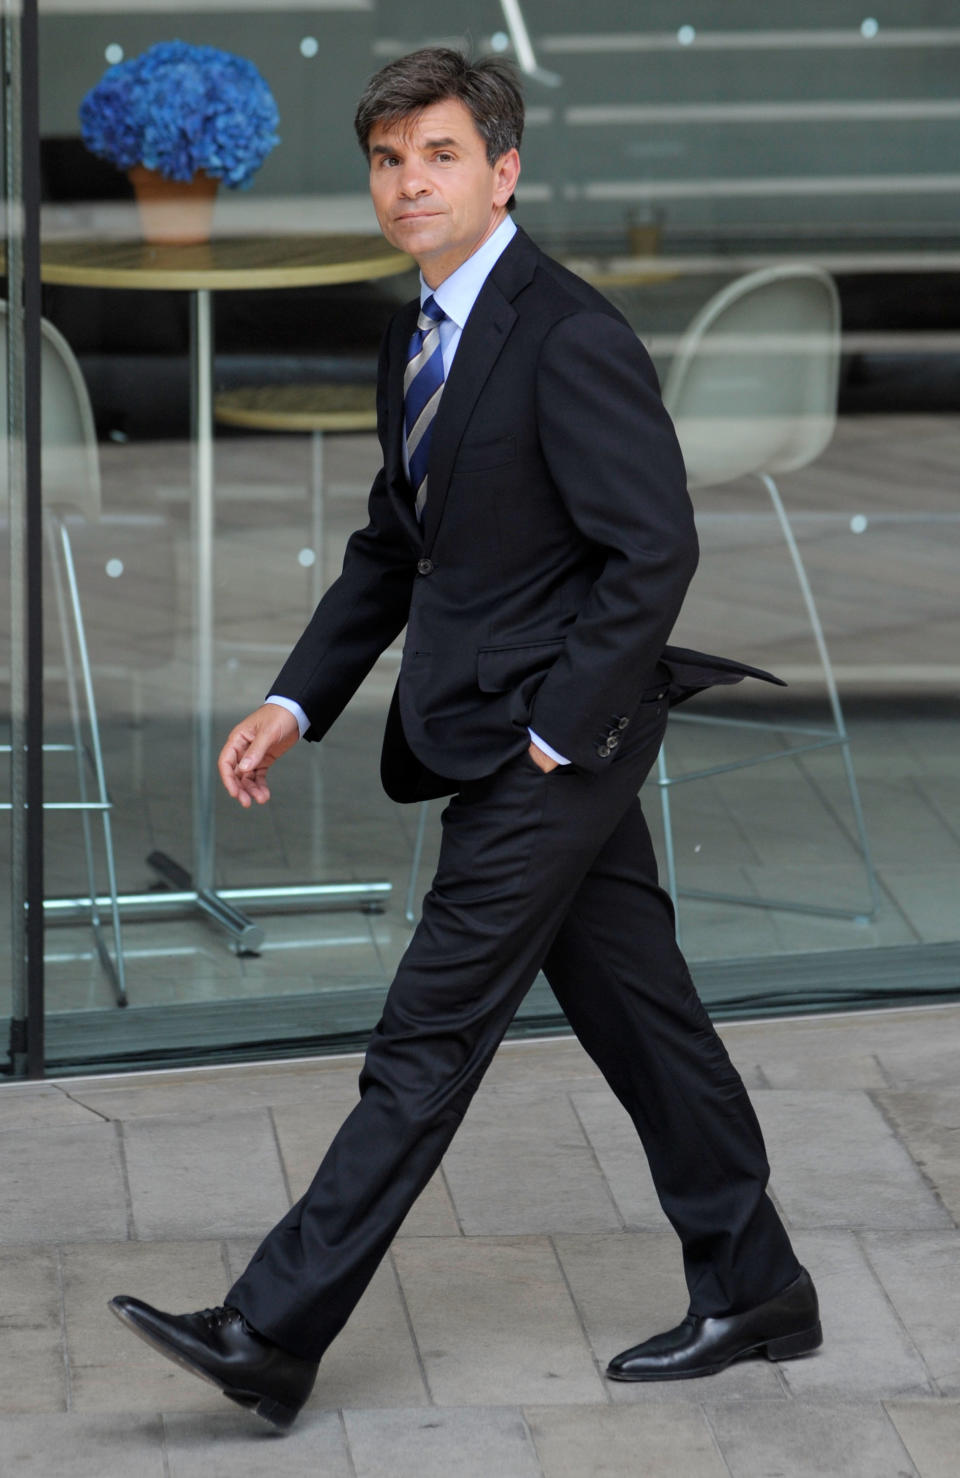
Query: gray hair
488	88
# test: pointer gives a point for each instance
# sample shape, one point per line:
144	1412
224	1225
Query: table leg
202	505
220	904
247	935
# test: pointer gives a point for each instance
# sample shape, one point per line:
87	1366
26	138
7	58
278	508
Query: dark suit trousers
536	870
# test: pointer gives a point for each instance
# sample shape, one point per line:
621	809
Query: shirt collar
457	293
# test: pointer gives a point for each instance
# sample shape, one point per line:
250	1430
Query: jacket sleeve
361	613
613	455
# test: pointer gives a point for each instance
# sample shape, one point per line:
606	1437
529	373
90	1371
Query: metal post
247	935
201	365
22	179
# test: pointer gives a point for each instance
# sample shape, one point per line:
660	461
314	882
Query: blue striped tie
422	388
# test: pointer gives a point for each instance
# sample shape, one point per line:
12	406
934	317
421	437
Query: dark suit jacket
556	547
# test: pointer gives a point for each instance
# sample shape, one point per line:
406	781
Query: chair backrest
753	384
70	465
126	562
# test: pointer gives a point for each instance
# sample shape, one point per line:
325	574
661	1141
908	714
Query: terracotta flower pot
174	212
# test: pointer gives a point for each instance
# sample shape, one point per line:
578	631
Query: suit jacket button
424	566
622	722
613	740
604	751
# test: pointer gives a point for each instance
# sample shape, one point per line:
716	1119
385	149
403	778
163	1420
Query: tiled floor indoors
536	1253
781	828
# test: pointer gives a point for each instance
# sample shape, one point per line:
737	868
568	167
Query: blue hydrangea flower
180	108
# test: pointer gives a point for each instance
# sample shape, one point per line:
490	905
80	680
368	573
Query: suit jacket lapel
397	480
484	335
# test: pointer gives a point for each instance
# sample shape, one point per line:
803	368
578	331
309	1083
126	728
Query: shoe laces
219	1316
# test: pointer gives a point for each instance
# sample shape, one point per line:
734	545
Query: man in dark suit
531	529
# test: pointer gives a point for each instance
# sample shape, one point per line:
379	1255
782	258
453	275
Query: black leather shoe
781	1328
221	1347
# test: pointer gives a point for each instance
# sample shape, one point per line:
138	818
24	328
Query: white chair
752	391
71	480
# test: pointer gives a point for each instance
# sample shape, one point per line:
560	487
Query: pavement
536	1253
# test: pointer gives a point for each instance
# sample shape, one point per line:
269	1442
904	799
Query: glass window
769	197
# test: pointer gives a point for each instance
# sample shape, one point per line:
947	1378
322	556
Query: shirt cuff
303	723
540	743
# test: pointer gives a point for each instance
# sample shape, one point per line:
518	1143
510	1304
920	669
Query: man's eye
444	158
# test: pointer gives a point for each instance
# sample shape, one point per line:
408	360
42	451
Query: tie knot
430	314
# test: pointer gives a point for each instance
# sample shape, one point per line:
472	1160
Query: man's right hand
252	748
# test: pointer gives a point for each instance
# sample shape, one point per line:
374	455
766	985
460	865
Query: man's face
435	193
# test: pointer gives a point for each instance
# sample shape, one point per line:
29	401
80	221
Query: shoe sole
788	1347
266	1407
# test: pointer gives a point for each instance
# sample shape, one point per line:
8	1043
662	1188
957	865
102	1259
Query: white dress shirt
456	295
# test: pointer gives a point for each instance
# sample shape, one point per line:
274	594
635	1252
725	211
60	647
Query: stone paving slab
920	1274
483	1354
40	1106
33	1374
304	1131
814	1055
617	1441
809	1440
235	1444
521	1164
215	1175
63	1185
494	1320
476	1442
331	1083
629	1286
866	1351
930	1431
433	1213
927	1122
621	1158
909	1048
917	1048
558	1060
110	1369
836	1163
70	1445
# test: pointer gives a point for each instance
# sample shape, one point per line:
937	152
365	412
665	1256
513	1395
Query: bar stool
71	486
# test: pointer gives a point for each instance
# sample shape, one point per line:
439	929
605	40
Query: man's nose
412	183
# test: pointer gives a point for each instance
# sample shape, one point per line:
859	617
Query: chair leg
318	516
663	784
409	911
816	626
113	965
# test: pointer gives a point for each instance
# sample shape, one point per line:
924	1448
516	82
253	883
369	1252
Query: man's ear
506	173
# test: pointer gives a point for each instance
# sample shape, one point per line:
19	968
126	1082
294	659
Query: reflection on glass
664	161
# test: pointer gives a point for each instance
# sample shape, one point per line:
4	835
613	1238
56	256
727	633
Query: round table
221	265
